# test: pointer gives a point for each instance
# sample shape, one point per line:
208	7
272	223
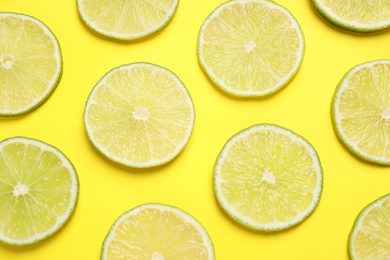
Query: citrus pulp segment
157	232
363	16
250	48
268	178
38	191
361	111
139	115
127	19
370	234
30	64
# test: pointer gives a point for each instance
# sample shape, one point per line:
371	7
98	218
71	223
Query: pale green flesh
371	240
29	63
126	18
364	110
156	234
45	194
268	178
250	47
363	11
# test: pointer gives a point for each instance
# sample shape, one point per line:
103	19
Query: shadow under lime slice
38	191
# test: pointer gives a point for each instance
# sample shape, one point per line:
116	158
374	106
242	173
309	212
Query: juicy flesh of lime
268	178
140	115
34	193
364	110
372	240
28	63
365	12
126	17
250	46
155	234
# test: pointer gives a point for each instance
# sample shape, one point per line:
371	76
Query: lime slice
250	48
127	19
30	64
38	191
139	115
361	111
362	16
157	232
268	178
370	234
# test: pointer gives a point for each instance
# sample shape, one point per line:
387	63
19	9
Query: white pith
247	221
144	116
337	118
22	189
248	47
359	221
10	60
207	243
351	25
115	35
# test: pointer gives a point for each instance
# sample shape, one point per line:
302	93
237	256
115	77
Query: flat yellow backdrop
108	190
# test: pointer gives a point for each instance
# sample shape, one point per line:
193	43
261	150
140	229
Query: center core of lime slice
141	113
386	113
157	256
7	61
20	189
269	177
250	46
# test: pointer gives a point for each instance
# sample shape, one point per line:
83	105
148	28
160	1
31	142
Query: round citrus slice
250	48
370	234
361	111
157	232
127	19
362	16
139	115
30	64
268	178
38	191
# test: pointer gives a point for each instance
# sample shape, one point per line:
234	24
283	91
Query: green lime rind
75	193
135	37
344	24
336	125
125	162
111	233
241	94
357	224
57	78
282	226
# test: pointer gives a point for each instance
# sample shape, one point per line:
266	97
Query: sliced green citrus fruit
30	64
139	115
157	232
268	178
370	234
358	16
250	48
38	191
127	19
361	111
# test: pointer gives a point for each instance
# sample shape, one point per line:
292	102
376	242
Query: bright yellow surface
107	190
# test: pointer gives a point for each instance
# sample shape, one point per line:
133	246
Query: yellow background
108	190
